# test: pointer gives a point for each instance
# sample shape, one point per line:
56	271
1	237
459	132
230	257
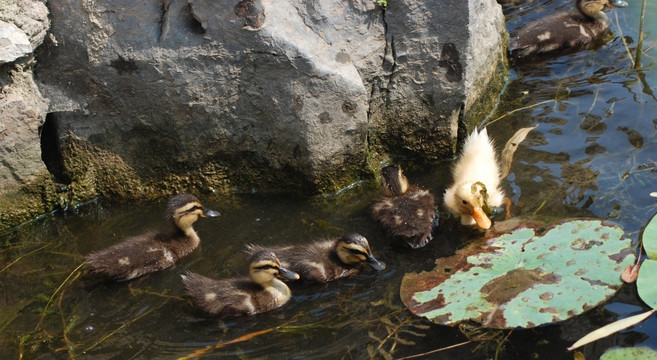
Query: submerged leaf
612	328
642	352
521	279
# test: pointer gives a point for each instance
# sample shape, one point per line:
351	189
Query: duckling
476	182
564	30
152	251
227	298
326	260
406	212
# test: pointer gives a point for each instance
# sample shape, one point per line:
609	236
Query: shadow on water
593	154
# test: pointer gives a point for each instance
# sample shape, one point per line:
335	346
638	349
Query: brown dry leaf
511	147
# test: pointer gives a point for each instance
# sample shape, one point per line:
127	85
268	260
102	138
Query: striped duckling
262	291
326	260
153	251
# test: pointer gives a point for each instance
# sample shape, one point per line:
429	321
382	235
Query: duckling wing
132	258
409	217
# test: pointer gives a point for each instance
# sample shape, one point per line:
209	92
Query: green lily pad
649	238
642	352
521	279
645	283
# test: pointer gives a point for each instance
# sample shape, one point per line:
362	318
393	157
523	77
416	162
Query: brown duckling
152	251
564	30
326	260
227	298
406	212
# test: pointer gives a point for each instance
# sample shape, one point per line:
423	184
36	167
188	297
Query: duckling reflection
566	29
326	260
406	212
227	298
152	251
476	182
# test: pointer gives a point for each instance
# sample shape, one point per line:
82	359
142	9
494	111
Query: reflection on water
593	154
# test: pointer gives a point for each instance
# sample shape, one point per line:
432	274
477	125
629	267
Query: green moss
30	201
482	106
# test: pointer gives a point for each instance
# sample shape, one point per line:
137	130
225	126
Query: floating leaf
521	279
609	329
649	238
643	353
645	283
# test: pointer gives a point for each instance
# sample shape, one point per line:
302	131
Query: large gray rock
151	97
292	91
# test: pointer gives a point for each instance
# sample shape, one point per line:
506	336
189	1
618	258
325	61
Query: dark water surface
593	154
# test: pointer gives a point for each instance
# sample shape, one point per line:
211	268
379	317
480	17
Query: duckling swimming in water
406	212
151	251
326	260
566	29
261	292
476	185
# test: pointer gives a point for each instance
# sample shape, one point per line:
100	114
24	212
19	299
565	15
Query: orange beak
481	218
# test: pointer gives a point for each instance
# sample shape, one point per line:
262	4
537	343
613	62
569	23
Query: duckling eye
266	267
356	252
465	202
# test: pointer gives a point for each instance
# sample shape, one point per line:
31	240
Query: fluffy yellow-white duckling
476	183
262	291
565	29
326	260
406	212
152	251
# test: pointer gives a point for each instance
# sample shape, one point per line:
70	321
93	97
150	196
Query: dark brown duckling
152	251
564	30
326	260
406	212
262	291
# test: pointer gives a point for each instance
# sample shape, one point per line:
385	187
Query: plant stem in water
639	45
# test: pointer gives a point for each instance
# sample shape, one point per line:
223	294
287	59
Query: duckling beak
287	274
374	263
481	218
618	3
210	213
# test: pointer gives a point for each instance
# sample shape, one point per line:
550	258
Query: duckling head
393	181
595	8
265	267
354	249
184	209
471	202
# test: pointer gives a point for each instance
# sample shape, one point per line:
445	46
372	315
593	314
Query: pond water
593	154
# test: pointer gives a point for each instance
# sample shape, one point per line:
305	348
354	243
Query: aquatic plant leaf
609	329
644	353
649	238
646	284
521	279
